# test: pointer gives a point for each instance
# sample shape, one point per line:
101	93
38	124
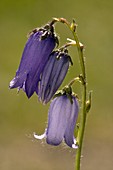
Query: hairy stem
83	113
83	109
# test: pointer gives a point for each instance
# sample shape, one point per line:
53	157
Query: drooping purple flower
53	74
35	55
62	119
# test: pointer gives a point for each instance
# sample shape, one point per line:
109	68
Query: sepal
89	101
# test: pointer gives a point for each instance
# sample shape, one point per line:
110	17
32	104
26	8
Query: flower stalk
83	110
81	78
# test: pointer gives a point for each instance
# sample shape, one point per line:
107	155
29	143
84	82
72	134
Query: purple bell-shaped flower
53	74
62	119
34	58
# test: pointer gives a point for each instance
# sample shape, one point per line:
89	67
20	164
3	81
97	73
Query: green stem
83	109
81	131
83	78
83	112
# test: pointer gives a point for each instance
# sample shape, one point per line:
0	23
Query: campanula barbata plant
42	69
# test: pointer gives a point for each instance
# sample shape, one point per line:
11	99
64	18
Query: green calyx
67	90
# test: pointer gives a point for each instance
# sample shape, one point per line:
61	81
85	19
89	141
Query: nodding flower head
39	46
53	74
62	119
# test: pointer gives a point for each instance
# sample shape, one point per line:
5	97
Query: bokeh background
20	117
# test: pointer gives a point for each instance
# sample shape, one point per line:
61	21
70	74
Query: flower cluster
42	70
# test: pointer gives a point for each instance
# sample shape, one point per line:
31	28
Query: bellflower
35	55
53	74
62	119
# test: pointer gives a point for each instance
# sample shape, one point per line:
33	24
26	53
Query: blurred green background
20	117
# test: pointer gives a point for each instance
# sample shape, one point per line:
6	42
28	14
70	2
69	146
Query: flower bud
53	75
